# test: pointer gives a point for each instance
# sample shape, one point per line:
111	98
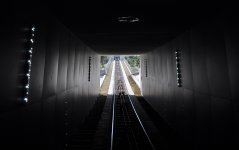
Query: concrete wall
205	110
60	93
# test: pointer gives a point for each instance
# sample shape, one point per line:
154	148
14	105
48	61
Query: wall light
178	69
146	67
129	19
89	69
29	62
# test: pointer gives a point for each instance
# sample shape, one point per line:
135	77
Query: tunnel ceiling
97	25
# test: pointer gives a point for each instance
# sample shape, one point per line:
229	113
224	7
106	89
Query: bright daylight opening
130	65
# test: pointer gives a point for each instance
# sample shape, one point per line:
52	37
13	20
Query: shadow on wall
204	111
60	95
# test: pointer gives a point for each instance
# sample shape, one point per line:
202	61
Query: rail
129	119
113	118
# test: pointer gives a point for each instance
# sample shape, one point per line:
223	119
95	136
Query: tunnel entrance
131	64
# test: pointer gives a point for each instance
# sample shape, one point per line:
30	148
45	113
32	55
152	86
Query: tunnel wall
204	111
60	94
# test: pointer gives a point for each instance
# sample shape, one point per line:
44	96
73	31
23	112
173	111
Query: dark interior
204	111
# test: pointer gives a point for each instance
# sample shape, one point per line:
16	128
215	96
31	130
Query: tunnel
50	57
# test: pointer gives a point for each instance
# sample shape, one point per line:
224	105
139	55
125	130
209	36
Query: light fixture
178	69
129	19
29	62
89	69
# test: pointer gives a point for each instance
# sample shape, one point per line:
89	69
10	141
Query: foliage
103	61
134	61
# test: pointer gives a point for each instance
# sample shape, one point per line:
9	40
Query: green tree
103	61
134	61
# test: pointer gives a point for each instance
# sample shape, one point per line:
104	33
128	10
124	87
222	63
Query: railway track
127	130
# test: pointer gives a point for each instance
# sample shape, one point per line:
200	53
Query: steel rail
140	122
113	116
134	110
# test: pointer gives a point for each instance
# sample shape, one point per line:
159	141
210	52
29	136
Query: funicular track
127	129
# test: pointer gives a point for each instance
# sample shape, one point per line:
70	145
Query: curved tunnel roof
96	23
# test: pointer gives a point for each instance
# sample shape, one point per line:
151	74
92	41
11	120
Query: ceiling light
128	19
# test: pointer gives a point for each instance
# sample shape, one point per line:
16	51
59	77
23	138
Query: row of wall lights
89	69
29	63
178	69
146	67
